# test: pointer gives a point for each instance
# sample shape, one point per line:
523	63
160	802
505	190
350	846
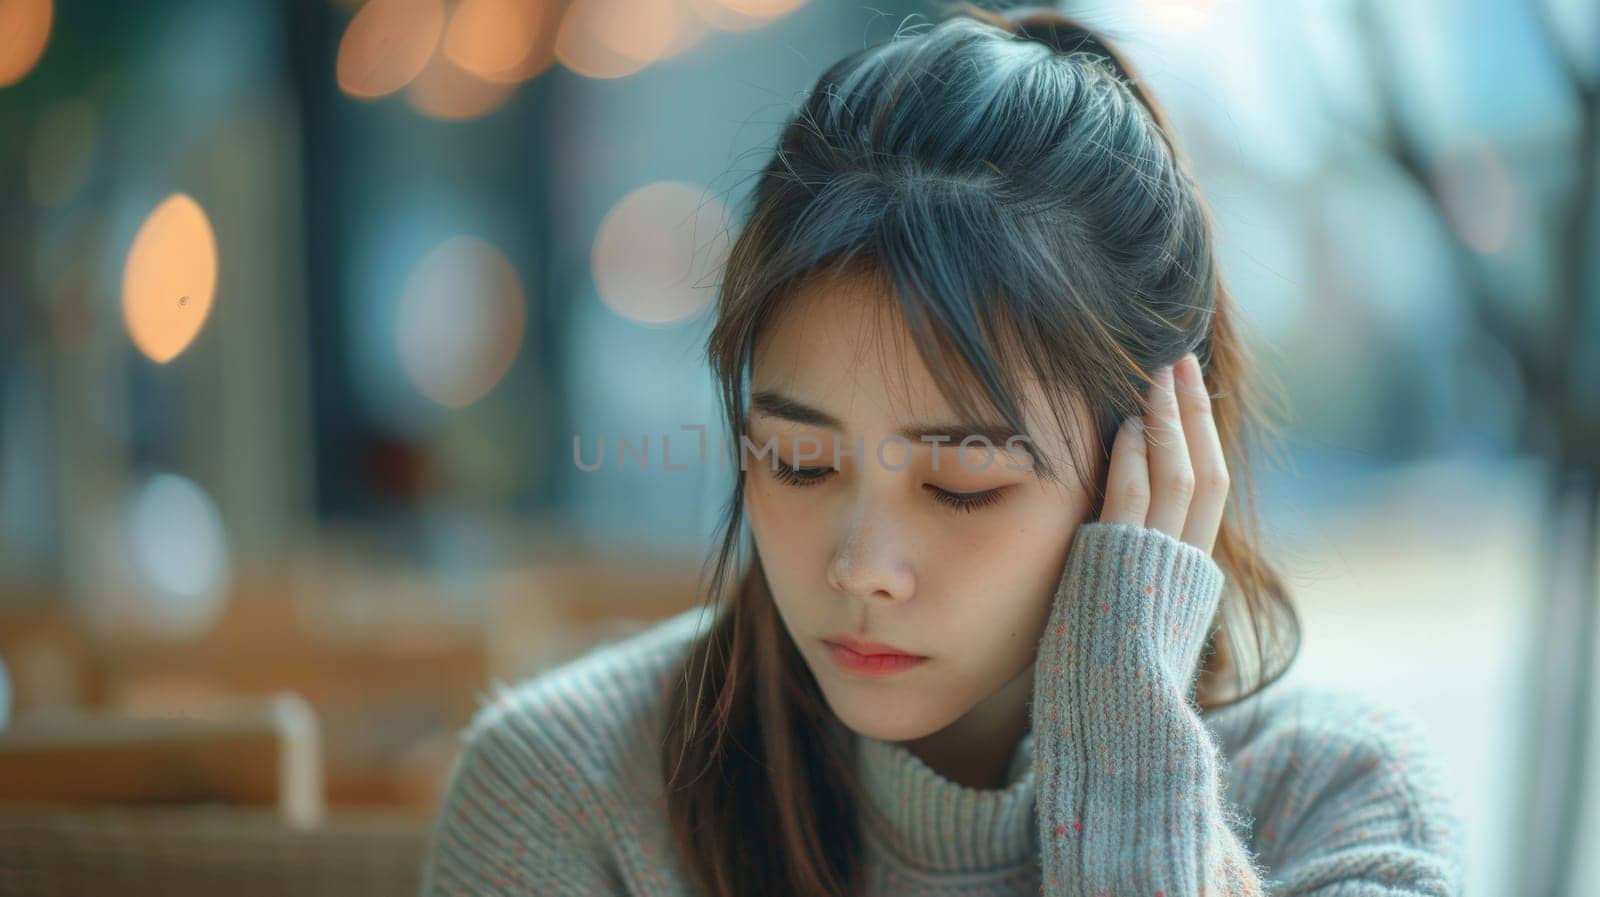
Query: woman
982	645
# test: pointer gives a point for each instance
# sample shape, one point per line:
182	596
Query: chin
883	711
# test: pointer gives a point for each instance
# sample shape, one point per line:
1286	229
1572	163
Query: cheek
1011	568
1010	543
772	518
785	524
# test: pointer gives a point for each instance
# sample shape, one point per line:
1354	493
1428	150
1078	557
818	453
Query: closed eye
967	501
802	477
799	476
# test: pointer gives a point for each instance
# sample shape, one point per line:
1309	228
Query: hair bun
1066	35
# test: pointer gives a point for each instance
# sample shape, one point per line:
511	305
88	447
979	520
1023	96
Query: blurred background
304	302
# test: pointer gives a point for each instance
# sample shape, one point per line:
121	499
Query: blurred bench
256	754
330	784
205	850
94	803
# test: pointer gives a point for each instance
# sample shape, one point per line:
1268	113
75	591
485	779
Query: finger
1171	475
1205	456
1128	480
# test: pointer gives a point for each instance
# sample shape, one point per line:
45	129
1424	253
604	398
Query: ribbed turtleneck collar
943	827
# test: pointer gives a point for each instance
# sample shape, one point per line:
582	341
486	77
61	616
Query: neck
977	748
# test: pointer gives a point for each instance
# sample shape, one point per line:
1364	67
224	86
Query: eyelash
802	477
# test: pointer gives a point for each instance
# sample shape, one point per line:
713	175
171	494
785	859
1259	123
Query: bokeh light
387	44
179	552
446	91
501	41
762	9
1181	15
657	252
691	29
24	33
460	321
742	15
615	38
170	278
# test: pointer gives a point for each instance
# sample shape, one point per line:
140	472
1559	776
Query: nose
869	565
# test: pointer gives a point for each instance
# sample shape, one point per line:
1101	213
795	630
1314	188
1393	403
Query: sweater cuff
1131	595
1129	791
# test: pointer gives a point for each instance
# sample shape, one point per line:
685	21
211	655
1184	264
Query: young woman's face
875	550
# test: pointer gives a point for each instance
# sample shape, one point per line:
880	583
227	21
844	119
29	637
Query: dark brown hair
1014	188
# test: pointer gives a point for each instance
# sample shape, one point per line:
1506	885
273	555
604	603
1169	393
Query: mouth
870	658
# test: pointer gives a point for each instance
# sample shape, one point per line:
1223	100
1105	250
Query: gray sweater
1121	787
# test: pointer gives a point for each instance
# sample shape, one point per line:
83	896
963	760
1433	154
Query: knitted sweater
1121	785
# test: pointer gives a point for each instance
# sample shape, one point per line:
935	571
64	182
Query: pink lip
870	658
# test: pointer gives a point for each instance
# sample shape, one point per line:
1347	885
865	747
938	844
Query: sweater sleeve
517	815
1131	799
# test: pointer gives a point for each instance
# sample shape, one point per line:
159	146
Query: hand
1165	493
1169	474
1130	795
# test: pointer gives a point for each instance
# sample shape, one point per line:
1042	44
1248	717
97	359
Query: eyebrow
779	405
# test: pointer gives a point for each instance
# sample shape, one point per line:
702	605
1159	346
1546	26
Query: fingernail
1133	425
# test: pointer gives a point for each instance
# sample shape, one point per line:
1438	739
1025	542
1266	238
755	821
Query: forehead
842	334
840	342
